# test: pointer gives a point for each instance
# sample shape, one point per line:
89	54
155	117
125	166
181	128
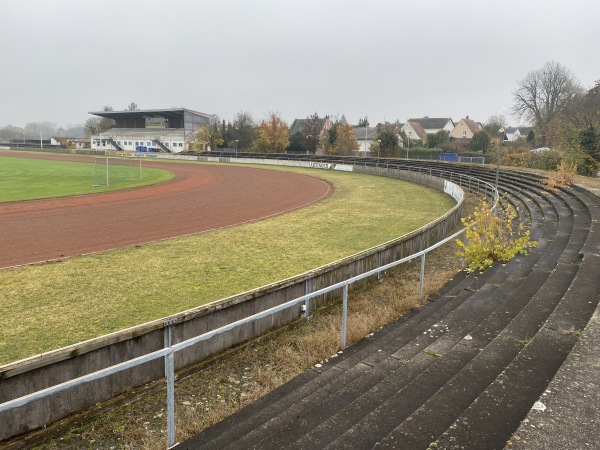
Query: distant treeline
34	129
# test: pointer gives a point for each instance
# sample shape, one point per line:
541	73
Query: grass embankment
30	179
49	306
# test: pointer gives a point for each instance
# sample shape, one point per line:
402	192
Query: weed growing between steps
564	175
493	236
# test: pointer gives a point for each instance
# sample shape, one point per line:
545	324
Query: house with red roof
465	129
414	131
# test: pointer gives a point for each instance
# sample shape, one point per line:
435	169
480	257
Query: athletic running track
201	197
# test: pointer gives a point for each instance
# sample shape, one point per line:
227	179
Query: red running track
201	197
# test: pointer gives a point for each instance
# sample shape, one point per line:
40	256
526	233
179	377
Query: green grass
29	179
49	306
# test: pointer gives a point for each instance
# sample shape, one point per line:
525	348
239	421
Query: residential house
465	129
414	131
321	128
512	134
432	125
365	137
525	131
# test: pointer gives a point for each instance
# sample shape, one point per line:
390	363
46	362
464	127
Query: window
136	143
148	144
181	144
118	142
464	134
167	144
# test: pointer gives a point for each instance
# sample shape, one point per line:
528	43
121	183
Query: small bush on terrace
493	236
564	175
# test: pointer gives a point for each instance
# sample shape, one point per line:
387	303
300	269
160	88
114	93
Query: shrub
493	236
564	175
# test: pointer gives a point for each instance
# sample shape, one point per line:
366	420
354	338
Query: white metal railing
168	352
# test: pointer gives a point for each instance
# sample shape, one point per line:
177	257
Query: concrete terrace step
455	353
480	349
343	370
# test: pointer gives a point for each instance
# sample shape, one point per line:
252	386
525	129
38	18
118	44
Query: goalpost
110	170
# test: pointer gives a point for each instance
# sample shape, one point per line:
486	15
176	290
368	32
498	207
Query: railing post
307	290
422	277
344	315
170	376
379	278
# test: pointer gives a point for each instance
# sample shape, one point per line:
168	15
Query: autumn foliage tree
273	135
209	135
345	142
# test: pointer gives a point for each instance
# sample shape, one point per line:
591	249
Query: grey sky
60	59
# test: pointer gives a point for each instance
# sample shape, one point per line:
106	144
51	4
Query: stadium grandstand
149	130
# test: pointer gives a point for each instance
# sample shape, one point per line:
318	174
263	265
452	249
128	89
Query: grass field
29	179
53	305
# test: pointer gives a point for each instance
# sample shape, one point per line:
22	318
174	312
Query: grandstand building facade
150	130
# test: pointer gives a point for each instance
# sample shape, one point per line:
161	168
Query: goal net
472	159
111	170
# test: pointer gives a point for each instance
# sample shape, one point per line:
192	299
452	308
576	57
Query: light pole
236	145
378	148
501	131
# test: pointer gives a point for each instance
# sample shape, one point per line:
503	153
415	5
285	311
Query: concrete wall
36	373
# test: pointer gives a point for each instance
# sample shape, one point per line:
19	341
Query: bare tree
544	93
132	107
494	124
311	129
96	125
244	129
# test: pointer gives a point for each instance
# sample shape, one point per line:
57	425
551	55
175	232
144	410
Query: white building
365	136
155	130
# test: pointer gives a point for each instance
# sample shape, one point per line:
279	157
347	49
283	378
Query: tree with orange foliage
273	135
345	142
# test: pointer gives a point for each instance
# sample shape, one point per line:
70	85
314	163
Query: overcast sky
60	59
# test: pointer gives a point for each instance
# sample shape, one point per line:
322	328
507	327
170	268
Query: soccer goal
472	159
109	170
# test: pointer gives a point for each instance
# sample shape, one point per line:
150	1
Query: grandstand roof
176	113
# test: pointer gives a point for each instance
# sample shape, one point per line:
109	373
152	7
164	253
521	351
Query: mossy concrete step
497	351
567	413
490	421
